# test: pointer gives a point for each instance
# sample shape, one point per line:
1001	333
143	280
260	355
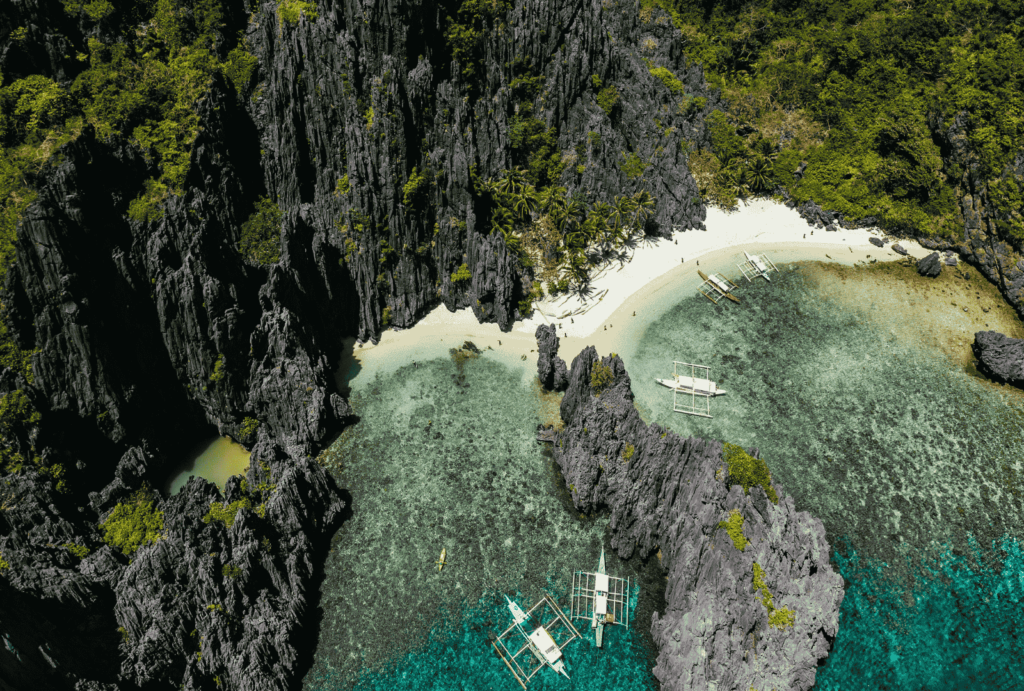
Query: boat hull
686	385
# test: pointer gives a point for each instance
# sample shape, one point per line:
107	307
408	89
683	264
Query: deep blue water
463	659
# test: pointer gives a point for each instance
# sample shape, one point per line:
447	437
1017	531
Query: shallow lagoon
864	401
215	459
860	396
445	456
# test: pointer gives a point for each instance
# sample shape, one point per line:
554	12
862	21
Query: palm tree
766	148
524	202
503	221
552	199
570	222
621	209
578	271
733	180
643	209
512	182
761	173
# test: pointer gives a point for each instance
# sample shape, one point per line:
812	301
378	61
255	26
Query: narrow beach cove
854	379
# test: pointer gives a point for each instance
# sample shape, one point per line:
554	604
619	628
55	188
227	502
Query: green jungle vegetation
133	523
848	87
247	432
777	618
144	85
225	513
601	377
747	471
260	241
734	527
80	551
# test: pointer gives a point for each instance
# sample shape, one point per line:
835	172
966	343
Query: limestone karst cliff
374	129
752	600
145	329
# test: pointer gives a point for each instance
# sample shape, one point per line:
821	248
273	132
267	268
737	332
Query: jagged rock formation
930	266
229	602
401	104
151	333
1000	357
671	493
551	369
205	601
818	217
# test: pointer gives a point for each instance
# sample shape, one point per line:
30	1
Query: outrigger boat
757	266
541	641
441	563
600	599
697	384
716	283
692	384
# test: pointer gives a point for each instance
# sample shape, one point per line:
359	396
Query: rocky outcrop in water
1000	357
551	369
930	266
673	494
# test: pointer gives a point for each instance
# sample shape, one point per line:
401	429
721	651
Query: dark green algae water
910	460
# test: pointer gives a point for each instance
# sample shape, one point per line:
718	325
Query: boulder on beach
1000	357
898	249
930	266
877	242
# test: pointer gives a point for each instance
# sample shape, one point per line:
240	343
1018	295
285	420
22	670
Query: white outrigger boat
757	266
547	652
697	384
601	599
691	383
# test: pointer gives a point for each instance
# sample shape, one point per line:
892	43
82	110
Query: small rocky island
752	599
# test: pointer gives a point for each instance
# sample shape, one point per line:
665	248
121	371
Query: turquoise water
912	464
445	456
462	659
959	628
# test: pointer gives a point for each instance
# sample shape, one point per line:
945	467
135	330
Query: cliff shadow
309	637
347	367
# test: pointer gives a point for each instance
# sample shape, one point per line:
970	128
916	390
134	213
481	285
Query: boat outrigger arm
541	641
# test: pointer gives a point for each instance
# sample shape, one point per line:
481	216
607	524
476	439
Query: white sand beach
620	290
